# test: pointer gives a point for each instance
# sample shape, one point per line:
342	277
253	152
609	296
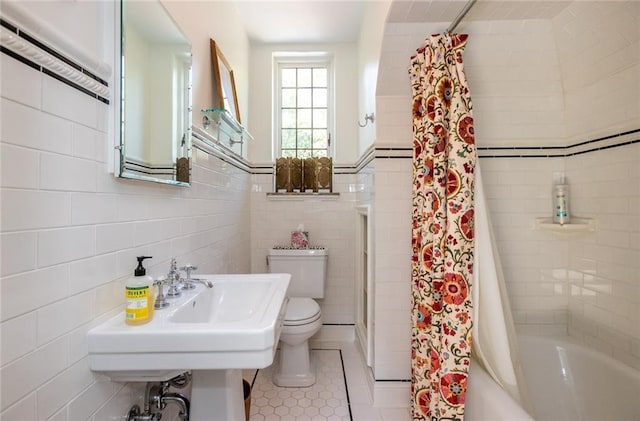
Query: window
303	104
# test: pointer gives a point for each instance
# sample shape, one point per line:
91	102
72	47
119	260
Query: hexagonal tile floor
328	399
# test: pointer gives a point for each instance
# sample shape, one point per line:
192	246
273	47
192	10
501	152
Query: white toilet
308	269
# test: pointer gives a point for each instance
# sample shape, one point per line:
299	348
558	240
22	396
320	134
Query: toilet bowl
294	367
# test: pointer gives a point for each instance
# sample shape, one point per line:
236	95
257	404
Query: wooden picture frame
224	84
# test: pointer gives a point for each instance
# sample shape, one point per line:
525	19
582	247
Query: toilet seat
301	311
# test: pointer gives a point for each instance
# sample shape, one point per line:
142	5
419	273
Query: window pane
320	118
304	110
319	77
289	119
304	119
304	139
286	153
320	139
288	78
304	98
304	153
320	97
288	98
304	77
288	138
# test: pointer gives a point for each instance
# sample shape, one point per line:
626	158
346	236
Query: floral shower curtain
444	158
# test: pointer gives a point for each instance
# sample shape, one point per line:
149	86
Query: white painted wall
330	222
345	136
369	46
202	21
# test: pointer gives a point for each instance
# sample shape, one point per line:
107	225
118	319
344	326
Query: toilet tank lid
314	251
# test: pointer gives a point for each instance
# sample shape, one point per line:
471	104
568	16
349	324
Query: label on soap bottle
137	303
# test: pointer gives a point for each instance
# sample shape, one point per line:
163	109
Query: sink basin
226	302
235	324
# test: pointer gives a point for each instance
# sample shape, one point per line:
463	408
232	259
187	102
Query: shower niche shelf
575	225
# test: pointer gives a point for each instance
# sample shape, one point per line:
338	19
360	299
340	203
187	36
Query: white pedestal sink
212	332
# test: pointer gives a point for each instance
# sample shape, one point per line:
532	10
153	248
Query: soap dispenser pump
140	295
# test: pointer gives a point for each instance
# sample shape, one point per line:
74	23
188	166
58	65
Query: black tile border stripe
346	385
48	49
604	138
56	54
562	151
9	26
344	376
558	155
74	85
35	42
20	58
630	142
405	152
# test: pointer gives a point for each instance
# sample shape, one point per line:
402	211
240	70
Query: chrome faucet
188	283
204	282
161	297
174	282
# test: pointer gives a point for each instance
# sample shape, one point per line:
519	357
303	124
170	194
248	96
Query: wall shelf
302	196
225	129
575	225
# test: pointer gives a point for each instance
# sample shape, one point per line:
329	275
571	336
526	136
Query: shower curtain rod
461	15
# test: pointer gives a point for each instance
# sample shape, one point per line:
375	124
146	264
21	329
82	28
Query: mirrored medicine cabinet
153	82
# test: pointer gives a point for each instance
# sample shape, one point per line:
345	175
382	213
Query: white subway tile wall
392	240
534	262
604	268
330	222
70	231
526	91
513	74
602	37
70	234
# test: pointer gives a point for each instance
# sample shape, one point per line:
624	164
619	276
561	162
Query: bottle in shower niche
561	202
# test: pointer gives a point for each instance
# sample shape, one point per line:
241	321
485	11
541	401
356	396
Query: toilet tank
308	269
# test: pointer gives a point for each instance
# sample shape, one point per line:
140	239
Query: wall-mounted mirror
155	89
224	84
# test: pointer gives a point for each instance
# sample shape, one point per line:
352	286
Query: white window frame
302	59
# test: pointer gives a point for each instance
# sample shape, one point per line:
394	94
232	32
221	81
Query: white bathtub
566	382
487	401
570	382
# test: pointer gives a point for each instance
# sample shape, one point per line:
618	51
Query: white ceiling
153	22
302	21
331	21
411	11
